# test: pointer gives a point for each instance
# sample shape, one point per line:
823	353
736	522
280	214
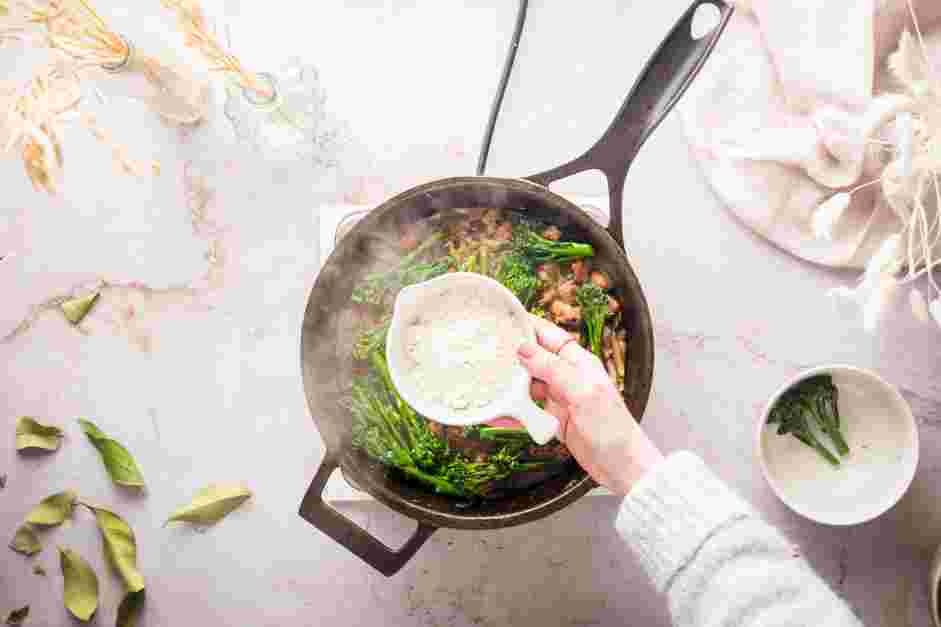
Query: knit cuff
672	511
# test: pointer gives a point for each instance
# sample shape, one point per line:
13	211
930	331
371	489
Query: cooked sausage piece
564	313
490	219
504	232
580	270
548	296
548	272
614	305
600	279
552	233
553	450
566	291
409	238
436	427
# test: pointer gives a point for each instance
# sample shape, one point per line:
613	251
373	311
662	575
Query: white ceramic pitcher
516	401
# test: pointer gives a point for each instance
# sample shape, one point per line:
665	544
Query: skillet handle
359	541
663	80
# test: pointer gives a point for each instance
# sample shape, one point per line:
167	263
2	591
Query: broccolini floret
537	249
594	304
516	273
375	288
811	403
391	432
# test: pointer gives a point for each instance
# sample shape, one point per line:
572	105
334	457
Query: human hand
594	422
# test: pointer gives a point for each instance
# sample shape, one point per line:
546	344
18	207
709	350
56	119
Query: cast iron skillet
325	348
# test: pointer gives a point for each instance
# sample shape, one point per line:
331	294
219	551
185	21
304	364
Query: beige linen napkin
797	104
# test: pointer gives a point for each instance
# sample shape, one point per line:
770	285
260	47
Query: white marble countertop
191	360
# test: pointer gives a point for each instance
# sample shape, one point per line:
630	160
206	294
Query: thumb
548	367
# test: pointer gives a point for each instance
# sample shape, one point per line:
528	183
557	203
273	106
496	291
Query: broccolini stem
841	446
419	250
408	259
829	415
531	466
440	485
820	448
470	264
503	433
830	457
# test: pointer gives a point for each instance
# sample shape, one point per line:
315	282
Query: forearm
715	559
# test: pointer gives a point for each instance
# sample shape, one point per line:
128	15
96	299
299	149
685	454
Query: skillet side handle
356	539
666	76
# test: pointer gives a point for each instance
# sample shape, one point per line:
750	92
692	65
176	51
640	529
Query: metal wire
501	87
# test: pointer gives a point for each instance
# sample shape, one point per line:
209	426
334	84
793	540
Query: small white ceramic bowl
881	433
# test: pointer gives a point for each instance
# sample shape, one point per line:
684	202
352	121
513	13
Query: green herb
469	264
25	540
120	547
809	405
39	570
76	309
117	460
540	250
131	606
516	273
376	288
53	510
471	431
211	504
32	434
18	617
507	435
594	304
371	340
483	261
81	585
475	478
390	431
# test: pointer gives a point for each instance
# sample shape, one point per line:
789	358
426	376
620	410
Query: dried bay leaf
130	609
120	547
53	510
18	617
76	309
81	585
3	481
212	504
32	434
26	541
117	460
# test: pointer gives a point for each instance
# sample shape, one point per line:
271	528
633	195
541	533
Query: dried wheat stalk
74	27
196	34
35	115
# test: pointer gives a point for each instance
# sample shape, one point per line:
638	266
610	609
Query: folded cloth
785	114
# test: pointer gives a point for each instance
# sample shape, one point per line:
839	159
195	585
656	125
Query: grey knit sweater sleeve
717	561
